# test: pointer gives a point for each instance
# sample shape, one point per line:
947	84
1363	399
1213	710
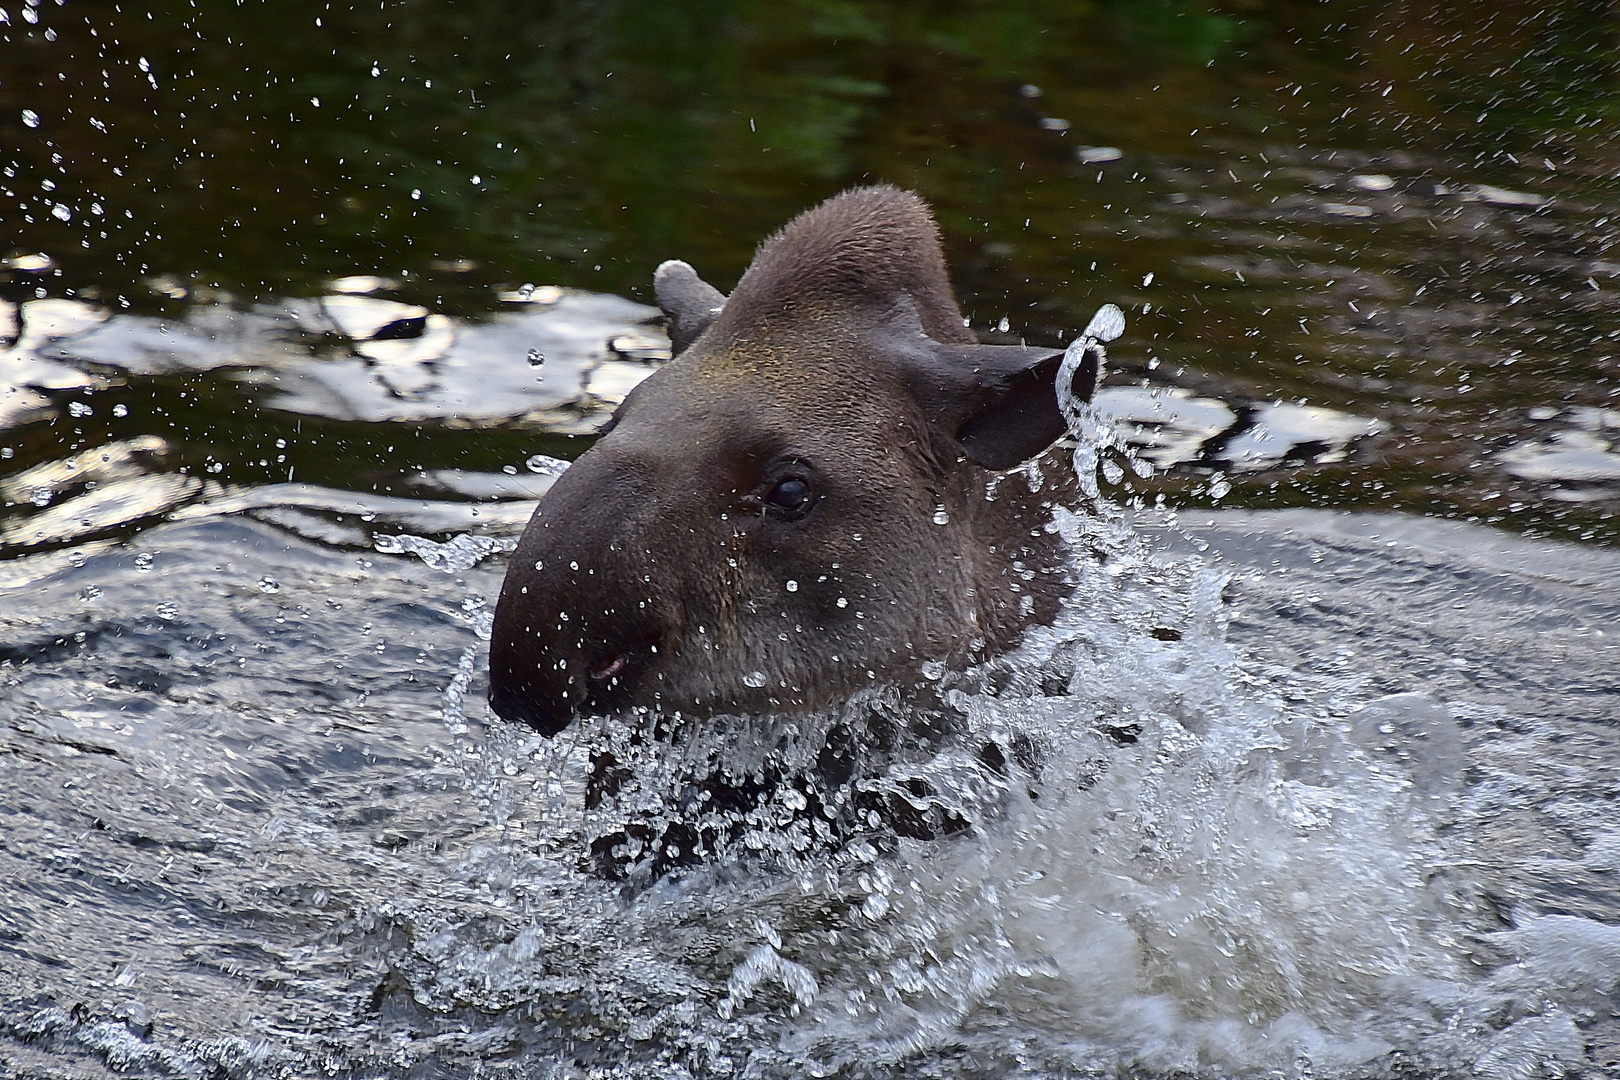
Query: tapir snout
551	660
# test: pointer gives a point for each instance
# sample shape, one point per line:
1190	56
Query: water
1284	821
1317	778
1404	219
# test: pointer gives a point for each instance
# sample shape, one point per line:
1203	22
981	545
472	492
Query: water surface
1352	815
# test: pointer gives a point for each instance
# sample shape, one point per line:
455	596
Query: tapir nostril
606	669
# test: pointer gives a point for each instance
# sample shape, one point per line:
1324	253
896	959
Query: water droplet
61	213
79	408
416	193
755	679
536	358
940	516
843	602
546	466
1098	155
476	180
1004	325
168	610
90	592
315	101
1147	279
143	562
525	291
268	584
30	118
120	410
42	496
792	586
933	670
509	470
1107	324
1219	487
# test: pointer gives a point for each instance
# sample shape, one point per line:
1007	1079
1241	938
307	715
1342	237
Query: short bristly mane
863	249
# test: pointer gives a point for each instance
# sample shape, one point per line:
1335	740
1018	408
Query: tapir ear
1005	408
688	302
998	402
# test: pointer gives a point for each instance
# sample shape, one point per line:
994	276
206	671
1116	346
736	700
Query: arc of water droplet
1093	432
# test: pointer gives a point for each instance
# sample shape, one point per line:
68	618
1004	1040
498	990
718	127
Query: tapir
806	500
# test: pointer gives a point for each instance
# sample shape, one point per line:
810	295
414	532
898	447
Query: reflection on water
556	365
362	368
1584	449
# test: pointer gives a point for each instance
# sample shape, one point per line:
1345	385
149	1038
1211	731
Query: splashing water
1093	431
1146	843
482	768
1128	847
452	556
1184	863
1195	897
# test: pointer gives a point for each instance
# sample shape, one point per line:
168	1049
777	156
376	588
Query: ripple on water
402	362
1171	426
1585	453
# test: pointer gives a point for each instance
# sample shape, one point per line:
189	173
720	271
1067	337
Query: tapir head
803	502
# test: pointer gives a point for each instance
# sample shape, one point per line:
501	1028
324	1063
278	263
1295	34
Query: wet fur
842	356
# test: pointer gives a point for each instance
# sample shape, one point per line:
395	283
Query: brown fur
656	571
852	254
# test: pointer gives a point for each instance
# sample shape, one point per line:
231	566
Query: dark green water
1399	213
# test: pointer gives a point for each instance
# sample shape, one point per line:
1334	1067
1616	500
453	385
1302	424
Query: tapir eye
790	497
